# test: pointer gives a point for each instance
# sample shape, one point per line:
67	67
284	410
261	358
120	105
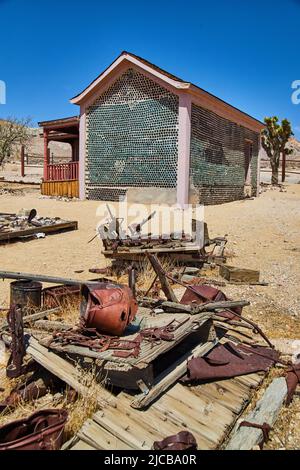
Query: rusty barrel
26	294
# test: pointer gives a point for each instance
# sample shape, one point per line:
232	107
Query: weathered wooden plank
266	411
223	394
60	188
184	418
126	429
99	438
64	370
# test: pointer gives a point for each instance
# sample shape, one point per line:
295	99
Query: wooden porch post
45	155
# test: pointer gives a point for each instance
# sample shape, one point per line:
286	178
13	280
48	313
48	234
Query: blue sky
247	53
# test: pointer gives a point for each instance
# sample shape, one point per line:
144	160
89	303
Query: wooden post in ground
23	161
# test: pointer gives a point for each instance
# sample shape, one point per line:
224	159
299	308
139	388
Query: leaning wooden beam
171	375
210	306
64	371
266	411
162	278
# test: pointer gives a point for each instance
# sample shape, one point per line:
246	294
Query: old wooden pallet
54	228
209	411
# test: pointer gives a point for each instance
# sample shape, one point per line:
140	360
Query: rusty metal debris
91	338
56	295
292	380
15	366
230	360
184	440
108	307
25	393
42	430
265	427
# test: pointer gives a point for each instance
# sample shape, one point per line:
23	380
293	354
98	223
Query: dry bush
85	405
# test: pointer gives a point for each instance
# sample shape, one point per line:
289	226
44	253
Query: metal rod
43	278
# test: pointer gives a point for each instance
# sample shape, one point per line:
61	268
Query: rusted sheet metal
229	360
108	307
204	293
42	430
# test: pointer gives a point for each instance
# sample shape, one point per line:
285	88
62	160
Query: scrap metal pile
132	244
27	223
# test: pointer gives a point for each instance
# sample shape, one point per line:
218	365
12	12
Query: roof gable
171	82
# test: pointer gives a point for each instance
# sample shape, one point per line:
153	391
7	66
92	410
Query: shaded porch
61	178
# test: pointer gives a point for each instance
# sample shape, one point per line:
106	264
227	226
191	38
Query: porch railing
62	172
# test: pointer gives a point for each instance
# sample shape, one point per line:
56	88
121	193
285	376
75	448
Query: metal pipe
43	278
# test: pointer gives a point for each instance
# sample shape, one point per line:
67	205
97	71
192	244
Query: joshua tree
274	139
13	132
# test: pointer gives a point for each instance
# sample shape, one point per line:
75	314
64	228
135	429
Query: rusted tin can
26	294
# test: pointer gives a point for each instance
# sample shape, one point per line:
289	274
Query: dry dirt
263	233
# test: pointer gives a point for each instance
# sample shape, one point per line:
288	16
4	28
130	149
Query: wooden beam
65	371
266	411
161	275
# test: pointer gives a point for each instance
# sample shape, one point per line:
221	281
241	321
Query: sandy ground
263	233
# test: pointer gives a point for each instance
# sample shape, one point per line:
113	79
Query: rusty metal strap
265	428
182	441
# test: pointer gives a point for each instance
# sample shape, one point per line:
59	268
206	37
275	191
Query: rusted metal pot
42	430
108	307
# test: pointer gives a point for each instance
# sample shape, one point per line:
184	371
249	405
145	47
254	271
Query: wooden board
266	411
239	275
59	227
60	188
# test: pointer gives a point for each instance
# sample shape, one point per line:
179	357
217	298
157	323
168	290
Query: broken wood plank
266	411
99	438
64	370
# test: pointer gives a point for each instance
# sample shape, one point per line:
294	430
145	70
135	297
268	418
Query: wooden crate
231	273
